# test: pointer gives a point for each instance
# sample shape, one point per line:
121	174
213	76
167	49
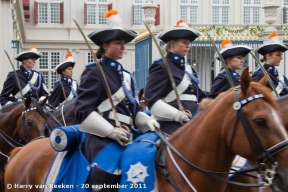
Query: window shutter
157	16
26	8
284	15
110	6
61	12
132	14
35	12
85	13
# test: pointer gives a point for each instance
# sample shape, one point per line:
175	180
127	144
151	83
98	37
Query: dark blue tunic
91	93
11	86
274	76
159	85
221	82
57	96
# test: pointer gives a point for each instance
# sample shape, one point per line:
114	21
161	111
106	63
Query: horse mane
5	108
39	108
258	88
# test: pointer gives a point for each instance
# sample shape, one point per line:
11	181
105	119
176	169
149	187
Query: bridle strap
206	172
273	150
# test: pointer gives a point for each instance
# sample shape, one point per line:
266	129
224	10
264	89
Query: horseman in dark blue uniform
93	109
272	53
31	81
66	89
159	94
234	59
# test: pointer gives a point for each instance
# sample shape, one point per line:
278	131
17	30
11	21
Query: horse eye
29	123
261	123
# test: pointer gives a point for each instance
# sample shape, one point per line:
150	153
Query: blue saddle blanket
70	169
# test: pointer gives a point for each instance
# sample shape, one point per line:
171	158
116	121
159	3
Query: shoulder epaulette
157	60
91	64
13	71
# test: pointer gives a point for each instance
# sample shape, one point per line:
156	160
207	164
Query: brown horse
204	141
283	108
20	123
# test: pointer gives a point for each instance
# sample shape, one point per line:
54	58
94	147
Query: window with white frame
251	10
285	2
138	11
188	10
96	10
49	11
46	65
90	58
220	11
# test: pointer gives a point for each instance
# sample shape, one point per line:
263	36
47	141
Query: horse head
243	120
260	131
33	120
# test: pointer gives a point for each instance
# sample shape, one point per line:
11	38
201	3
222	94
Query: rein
268	174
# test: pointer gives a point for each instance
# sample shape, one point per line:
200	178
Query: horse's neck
201	142
10	122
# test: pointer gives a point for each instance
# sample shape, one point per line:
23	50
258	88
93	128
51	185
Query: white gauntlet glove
152	124
119	136
181	117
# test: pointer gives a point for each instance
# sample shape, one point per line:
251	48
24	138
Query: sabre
223	61
103	78
168	70
265	72
17	78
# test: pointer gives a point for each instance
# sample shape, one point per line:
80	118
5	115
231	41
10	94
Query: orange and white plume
226	43
113	19
181	23
33	48
69	57
274	37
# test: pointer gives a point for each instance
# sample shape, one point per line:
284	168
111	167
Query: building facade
49	25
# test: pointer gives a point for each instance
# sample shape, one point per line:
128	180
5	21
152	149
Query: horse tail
14	152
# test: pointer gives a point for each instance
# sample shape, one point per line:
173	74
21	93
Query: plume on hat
226	43
113	19
182	23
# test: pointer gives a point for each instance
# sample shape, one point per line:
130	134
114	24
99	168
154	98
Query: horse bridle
268	174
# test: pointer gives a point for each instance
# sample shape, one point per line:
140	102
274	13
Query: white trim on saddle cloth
28	87
53	171
237	164
117	97
184	84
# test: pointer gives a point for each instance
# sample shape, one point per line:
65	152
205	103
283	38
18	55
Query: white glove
119	136
181	117
152	124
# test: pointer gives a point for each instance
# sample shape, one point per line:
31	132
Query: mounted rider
159	94
93	109
64	89
272	53
31	81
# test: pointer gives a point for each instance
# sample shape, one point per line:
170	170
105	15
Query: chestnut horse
204	141
283	103
20	123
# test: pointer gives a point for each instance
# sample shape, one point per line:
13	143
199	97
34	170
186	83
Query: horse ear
27	102
245	80
264	79
43	101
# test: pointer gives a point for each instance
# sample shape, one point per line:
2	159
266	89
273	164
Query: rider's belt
122	118
28	87
117	97
184	84
187	97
